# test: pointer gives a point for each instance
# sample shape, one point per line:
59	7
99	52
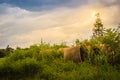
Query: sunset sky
26	22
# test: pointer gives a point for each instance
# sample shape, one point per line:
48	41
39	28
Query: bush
45	62
21	68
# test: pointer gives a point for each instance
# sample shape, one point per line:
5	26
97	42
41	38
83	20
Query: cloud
21	27
36	5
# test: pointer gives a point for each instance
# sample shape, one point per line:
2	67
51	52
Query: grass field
46	62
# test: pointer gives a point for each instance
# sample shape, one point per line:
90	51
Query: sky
26	22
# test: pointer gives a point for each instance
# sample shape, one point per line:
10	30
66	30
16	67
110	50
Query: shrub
22	68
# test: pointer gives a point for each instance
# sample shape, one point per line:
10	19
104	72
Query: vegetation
46	62
98	27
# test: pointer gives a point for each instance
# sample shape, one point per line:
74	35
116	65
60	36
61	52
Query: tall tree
98	27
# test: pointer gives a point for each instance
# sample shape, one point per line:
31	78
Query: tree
98	27
77	42
112	38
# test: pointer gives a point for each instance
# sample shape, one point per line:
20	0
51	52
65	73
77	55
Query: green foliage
2	53
77	42
5	52
22	68
45	62
98	27
112	38
62	45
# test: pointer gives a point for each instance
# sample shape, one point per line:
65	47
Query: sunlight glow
93	14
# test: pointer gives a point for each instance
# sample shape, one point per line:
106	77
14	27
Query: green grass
47	63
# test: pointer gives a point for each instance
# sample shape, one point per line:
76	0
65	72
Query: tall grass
45	62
